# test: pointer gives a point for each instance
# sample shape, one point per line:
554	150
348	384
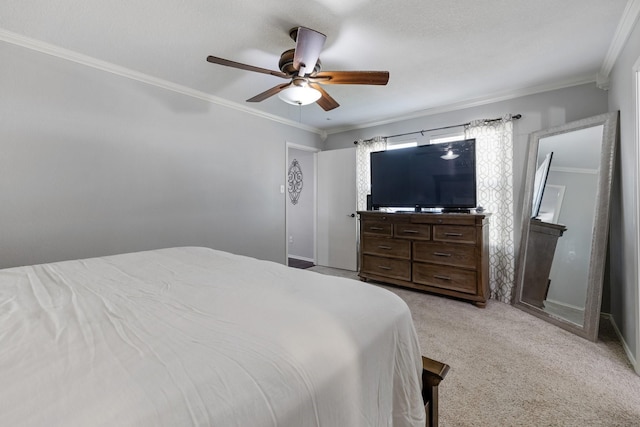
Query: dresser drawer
392	248
445	277
388	267
413	231
377	228
454	233
445	253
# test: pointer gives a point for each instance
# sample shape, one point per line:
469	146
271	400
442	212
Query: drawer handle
441	254
384	267
453	234
385	247
436	276
410	231
376	228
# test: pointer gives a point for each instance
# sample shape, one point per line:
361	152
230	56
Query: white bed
193	336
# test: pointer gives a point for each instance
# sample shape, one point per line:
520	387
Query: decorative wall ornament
295	181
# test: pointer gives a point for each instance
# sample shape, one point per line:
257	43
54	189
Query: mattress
192	336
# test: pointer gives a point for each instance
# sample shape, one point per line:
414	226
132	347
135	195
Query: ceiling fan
302	67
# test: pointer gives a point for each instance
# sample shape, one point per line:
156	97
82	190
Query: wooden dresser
541	248
447	254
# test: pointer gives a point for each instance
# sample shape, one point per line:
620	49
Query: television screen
427	176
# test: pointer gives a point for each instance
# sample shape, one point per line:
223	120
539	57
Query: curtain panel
494	177
363	167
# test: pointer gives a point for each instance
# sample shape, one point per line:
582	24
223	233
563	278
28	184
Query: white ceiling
439	53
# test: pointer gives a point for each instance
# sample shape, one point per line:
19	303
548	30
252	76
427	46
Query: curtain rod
515	117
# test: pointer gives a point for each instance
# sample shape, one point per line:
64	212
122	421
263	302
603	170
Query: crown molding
69	55
625	27
475	102
575	170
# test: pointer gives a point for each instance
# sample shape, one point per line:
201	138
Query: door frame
636	95
314	150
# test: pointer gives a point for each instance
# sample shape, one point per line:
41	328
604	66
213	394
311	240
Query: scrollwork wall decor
294	177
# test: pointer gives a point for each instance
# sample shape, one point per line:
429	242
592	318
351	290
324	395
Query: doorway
301	202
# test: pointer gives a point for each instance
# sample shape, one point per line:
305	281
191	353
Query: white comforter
194	336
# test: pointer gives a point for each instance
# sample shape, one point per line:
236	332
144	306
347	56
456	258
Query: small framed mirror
565	223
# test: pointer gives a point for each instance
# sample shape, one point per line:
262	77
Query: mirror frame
599	242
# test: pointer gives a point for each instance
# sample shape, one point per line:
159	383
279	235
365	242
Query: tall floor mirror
565	223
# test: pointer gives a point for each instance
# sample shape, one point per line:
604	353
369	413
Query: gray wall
624	255
539	111
300	226
93	164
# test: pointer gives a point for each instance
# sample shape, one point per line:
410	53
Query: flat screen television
427	176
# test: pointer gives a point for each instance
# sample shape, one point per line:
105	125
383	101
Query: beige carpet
512	369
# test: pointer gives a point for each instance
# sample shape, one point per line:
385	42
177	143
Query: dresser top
428	217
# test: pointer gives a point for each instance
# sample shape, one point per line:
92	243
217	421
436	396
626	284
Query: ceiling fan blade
309	43
233	64
268	93
351	78
326	101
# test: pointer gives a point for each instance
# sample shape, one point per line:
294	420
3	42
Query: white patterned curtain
363	167
494	176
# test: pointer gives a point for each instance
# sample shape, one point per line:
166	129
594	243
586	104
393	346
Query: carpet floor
509	368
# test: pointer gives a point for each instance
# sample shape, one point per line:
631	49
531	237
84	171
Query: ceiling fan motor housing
286	64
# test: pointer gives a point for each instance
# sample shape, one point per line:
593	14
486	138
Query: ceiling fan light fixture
450	155
299	95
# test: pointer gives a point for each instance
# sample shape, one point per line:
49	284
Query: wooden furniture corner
433	372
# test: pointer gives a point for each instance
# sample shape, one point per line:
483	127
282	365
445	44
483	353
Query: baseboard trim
571	306
627	350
